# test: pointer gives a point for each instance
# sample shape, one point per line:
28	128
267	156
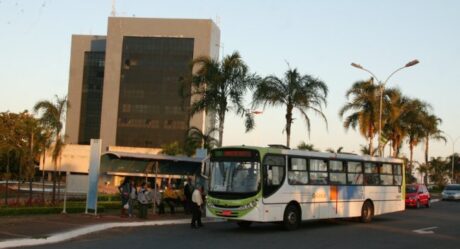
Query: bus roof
325	155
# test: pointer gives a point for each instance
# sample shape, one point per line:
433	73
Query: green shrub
71	207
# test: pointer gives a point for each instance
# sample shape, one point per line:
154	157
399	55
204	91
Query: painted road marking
426	230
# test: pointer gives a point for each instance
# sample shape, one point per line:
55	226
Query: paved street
437	227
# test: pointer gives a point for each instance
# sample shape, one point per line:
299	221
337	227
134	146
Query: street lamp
453	152
382	86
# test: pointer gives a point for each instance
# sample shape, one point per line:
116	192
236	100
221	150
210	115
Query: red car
417	195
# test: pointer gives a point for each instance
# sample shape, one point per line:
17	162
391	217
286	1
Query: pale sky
320	38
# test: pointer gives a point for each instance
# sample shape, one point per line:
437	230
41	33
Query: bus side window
273	173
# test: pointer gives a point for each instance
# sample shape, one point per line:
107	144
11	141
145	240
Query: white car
451	192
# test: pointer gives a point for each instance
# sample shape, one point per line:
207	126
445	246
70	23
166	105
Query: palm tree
365	150
339	150
430	124
305	146
413	118
294	91
203	140
363	108
53	116
424	169
44	142
218	87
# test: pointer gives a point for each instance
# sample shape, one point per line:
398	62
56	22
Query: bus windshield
235	177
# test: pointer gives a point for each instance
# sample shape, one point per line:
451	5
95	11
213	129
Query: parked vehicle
451	192
417	195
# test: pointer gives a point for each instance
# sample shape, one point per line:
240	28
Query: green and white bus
255	184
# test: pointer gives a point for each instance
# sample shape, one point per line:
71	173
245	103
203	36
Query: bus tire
291	218
428	204
244	224
417	204
367	212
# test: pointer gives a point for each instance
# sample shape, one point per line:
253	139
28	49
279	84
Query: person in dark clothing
188	197
124	194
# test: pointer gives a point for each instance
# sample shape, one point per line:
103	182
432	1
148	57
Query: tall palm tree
363	107
52	115
44	142
218	87
294	91
395	118
413	118
430	124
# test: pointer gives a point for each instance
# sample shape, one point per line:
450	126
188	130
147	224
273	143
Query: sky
319	38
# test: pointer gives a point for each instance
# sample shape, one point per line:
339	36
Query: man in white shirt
197	201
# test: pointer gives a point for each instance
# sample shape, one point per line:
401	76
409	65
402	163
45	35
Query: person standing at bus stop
197	201
188	196
132	197
124	189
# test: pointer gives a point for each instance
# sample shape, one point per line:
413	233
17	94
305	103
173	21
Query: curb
60	237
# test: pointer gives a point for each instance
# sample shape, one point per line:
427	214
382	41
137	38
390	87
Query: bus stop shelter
115	166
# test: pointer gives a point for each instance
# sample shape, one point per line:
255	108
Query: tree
197	139
414	122
395	128
294	91
339	150
17	132
440	170
363	107
171	149
305	146
430	124
52	116
424	170
218	87
365	150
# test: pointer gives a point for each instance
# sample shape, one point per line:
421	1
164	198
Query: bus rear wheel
291	219
367	212
244	224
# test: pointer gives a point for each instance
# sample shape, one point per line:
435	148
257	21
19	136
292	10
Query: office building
124	87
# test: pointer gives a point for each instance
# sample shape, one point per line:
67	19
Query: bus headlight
250	205
210	204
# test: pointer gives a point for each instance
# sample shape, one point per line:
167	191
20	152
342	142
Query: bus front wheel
291	219
367	212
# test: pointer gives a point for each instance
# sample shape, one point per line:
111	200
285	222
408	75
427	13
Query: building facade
124	87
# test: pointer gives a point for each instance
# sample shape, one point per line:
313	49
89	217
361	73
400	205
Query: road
436	227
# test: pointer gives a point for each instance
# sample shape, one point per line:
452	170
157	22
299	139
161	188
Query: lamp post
453	152
382	86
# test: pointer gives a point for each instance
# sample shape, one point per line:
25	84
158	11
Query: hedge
72	207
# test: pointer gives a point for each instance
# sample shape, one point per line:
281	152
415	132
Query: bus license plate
226	212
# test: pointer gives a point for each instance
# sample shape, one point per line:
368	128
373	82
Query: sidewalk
52	228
